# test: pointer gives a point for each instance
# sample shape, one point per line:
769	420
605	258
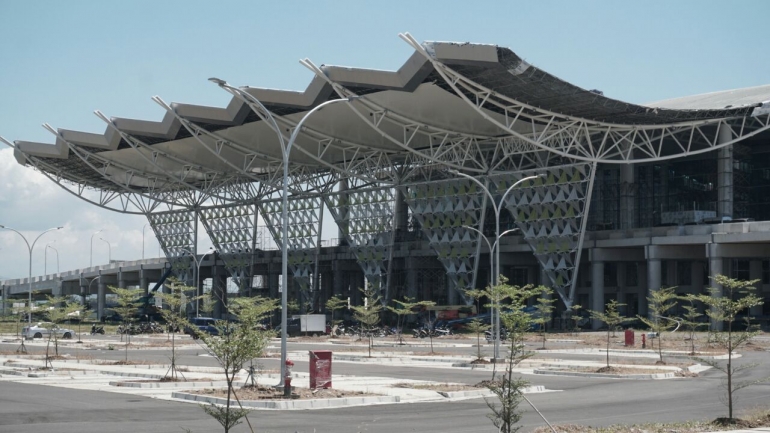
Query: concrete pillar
725	175
101	298
755	273
121	279
451	295
641	273
653	283
143	283
697	277
621	283
597	291
716	267
627	197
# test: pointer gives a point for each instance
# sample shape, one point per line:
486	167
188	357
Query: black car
202	324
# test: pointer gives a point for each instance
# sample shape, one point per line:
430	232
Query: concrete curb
321	403
606	376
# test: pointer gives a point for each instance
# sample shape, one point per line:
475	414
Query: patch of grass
752	418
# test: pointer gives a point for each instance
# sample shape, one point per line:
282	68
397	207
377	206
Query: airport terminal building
422	170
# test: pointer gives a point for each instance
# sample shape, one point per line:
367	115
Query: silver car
41	330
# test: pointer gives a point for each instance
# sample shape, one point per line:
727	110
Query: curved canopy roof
477	108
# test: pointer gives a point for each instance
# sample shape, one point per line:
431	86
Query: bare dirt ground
269	393
445	387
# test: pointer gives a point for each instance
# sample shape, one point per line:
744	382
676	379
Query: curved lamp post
84	305
497	208
45	264
285	150
198	273
32	247
109	250
91	256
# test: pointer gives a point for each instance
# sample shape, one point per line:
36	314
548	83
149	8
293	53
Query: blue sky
62	60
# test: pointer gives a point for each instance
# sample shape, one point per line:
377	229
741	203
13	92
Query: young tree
509	389
56	311
402	309
333	304
237	343
660	301
544	308
369	314
478	327
127	309
725	306
611	316
575	317
173	316
691	318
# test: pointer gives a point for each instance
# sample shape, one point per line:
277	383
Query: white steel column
716	267
653	283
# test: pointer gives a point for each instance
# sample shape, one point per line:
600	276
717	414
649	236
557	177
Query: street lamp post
109	250
30	248
91	257
47	246
83	305
198	273
285	151
497	208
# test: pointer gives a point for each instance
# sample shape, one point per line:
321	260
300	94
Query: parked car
201	324
41	330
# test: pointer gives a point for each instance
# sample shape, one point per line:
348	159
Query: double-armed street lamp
497	207
30	248
197	273
242	94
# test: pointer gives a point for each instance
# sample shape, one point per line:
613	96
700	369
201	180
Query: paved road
34	408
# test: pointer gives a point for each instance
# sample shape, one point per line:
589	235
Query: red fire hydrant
287	378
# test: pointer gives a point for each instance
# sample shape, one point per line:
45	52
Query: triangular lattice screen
549	212
366	220
443	209
175	231
302	227
231	229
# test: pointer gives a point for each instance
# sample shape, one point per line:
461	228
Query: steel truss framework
382	146
177	233
305	220
444	210
551	212
365	218
233	230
